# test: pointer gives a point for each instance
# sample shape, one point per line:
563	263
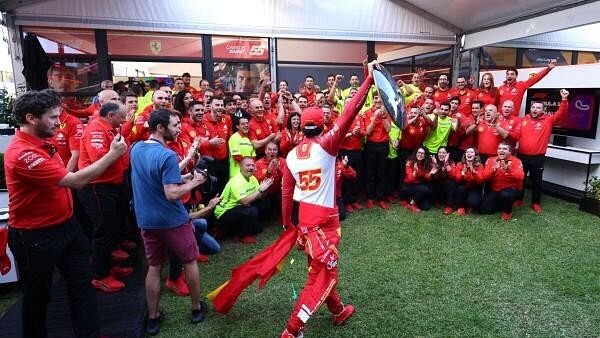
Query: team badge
155	47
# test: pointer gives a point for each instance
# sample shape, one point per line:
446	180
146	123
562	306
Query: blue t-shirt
153	165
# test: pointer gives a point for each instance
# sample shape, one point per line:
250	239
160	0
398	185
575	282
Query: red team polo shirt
33	171
259	130
218	128
379	134
413	135
486	97
354	142
262	166
467	96
68	134
95	143
488	139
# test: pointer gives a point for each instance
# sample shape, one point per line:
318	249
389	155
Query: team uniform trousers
320	244
534	165
376	159
107	206
37	253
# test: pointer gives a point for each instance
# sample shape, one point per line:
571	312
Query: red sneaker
349	208
383	205
178	286
343	316
537	208
448	211
119	255
370	204
120	272
108	284
460	212
202	258
517	203
414	208
356	206
403	203
506	216
128	245
248	240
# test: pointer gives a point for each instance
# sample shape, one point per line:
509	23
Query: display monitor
581	119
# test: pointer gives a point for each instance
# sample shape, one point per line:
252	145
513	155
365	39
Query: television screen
581	119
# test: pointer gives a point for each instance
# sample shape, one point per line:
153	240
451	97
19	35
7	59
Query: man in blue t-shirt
164	222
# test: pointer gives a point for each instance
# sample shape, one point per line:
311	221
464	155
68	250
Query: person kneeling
505	175
419	171
235	213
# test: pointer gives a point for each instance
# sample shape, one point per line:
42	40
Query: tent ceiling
479	14
408	22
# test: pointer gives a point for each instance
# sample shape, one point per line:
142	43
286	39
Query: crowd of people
204	165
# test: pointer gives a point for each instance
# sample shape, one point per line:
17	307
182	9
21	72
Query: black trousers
108	208
443	191
421	193
350	189
467	197
403	155
393	184
499	201
240	221
376	157
341	208
37	253
269	207
220	169
534	165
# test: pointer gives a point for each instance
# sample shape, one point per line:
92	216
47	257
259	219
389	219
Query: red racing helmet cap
312	118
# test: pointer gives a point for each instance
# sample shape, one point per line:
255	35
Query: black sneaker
153	324
198	315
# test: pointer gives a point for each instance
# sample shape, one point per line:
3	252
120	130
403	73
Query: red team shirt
95	143
218	128
535	133
413	135
379	134
501	179
33	171
261	172
517	89
261	129
488	139
68	135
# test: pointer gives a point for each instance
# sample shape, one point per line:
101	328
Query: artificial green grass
428	275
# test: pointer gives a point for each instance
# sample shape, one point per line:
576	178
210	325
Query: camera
208	188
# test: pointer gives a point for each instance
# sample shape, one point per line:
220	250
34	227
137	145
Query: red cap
312	116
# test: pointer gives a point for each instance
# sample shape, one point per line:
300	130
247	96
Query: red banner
250	49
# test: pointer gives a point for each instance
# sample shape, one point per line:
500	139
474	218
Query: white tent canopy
483	22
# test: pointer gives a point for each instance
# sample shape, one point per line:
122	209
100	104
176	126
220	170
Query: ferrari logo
155	46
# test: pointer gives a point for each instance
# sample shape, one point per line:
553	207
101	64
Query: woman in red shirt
468	175
487	92
442	183
292	135
419	170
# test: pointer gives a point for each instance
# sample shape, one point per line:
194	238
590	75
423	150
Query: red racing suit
309	178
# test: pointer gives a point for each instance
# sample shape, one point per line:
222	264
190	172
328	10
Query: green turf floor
427	275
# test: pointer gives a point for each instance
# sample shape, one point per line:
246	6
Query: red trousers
320	245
